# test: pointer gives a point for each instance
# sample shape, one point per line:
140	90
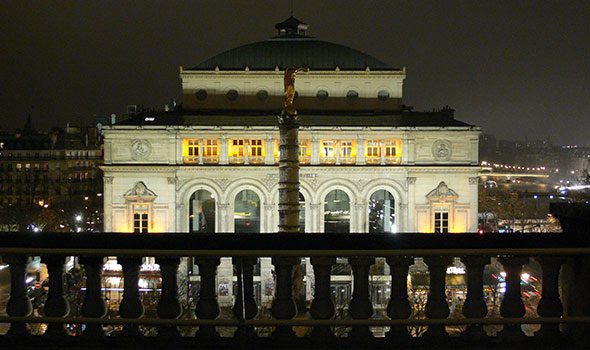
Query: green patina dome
292	47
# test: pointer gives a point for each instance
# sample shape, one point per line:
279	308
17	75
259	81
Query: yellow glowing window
256	148
237	148
327	148
390	149
210	148
303	150
193	147
373	148
346	148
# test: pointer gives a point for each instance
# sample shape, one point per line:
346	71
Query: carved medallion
441	149
141	149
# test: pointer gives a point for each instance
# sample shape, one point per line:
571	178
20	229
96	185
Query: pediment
442	193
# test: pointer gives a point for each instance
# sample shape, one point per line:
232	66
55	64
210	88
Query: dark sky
516	68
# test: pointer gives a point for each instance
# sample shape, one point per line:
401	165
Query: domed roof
292	48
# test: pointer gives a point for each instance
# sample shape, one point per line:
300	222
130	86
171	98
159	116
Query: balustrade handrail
275	244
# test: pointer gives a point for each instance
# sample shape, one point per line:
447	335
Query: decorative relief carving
442	149
411	180
107	179
314	206
442	193
269	207
474	180
171	180
269	181
223	182
140	149
140	193
360	183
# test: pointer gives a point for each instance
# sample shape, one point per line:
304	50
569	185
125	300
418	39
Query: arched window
383	95
301	212
202	212
201	94
352	95
381	212
232	95
337	212
247	212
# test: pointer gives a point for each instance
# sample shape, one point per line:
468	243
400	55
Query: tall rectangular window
390	150
373	149
256	148
441	220
237	149
140	222
193	148
346	148
327	148
210	148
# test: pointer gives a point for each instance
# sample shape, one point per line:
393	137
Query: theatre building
368	163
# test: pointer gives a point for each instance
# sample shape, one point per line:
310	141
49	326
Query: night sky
516	68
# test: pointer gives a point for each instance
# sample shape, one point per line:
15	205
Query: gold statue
289	80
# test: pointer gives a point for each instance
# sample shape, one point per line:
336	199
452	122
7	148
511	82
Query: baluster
475	305
18	304
56	304
168	306
283	305
550	303
93	305
207	307
322	306
512	305
245	307
360	307
131	305
436	304
398	307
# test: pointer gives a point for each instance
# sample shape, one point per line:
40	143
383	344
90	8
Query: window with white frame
237	149
346	149
193	147
373	148
327	148
210	148
441	219
256	146
140	221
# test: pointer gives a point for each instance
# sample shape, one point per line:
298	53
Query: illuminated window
202	212
441	220
346	148
140	222
237	149
210	148
328	148
337	212
390	150
193	148
256	148
373	148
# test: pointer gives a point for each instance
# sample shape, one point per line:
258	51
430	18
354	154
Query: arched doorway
247	212
337	212
382	212
202	212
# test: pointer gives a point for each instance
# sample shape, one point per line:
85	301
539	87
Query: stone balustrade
551	251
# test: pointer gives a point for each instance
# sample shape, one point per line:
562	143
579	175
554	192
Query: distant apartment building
41	168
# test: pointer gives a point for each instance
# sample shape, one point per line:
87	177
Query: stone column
315	217
93	304
512	305
473	202
382	145
361	307
398	307
360	151
223	225
18	304
223	150
337	149
269	155
322	306
315	150
475	305
200	151
246	151
108	208
436	304
361	214
411	219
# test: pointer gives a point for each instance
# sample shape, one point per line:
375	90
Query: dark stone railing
513	251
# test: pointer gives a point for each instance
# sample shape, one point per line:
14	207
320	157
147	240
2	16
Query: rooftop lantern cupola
291	27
